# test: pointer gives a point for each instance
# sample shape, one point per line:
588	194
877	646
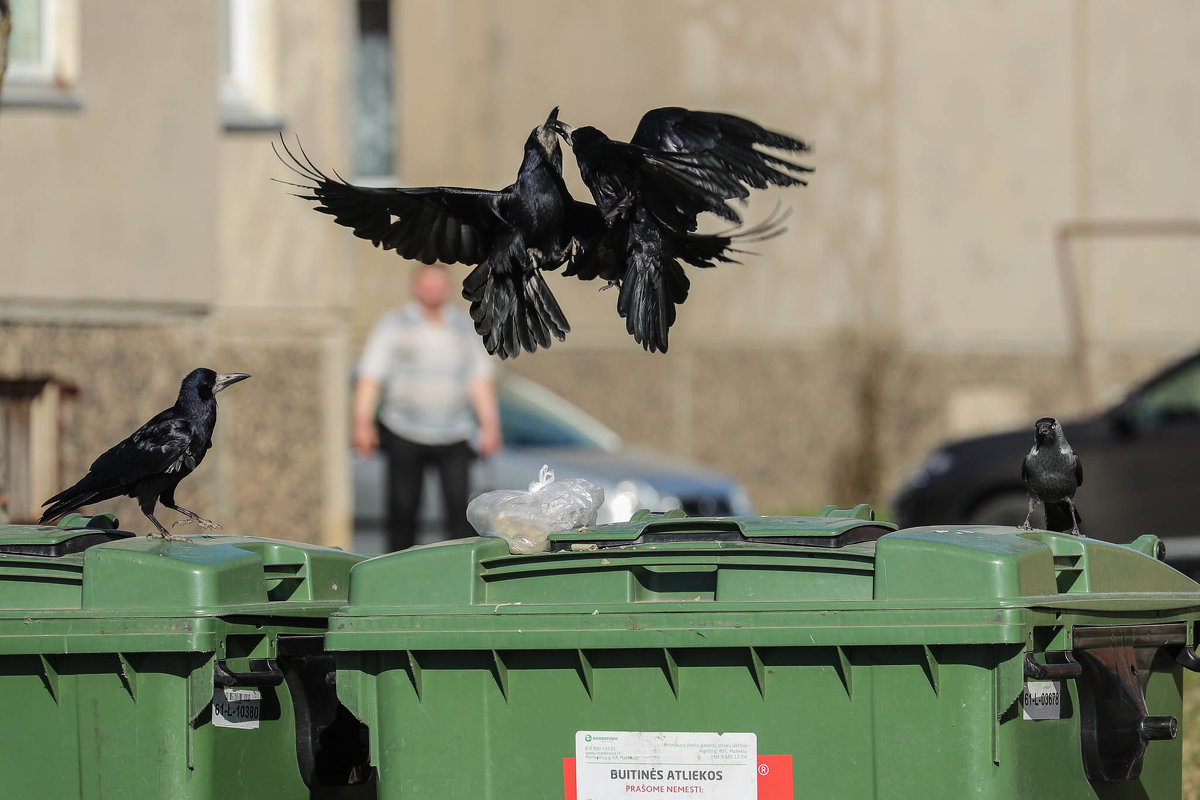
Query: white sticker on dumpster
1041	700
613	765
236	708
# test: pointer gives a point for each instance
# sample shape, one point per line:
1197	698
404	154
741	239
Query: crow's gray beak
228	379
561	128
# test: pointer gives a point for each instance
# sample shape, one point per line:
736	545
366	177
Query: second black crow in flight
156	457
510	235
651	191
1052	472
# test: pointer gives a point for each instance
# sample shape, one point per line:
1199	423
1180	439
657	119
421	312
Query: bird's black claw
207	524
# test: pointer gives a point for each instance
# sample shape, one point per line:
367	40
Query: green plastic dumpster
136	668
774	658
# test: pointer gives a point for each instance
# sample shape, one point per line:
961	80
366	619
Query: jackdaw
1052	472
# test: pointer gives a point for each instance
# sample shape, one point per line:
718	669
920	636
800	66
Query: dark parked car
1141	465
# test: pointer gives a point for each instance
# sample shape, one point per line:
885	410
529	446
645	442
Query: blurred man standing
425	371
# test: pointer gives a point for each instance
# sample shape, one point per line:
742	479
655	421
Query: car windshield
528	419
1174	398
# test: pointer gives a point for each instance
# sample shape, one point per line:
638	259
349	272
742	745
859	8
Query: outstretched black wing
428	224
726	142
671	186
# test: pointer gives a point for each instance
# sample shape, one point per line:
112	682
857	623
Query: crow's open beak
561	128
228	379
564	131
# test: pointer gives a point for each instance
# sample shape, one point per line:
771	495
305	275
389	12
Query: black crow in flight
651	191
156	457
510	235
1052	472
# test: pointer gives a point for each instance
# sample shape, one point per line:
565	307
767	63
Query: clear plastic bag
525	519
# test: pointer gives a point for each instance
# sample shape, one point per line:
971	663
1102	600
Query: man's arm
366	399
482	391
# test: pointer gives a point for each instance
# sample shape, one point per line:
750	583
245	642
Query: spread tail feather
653	286
513	311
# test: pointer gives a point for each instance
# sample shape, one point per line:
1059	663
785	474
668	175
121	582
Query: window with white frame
248	50
237	56
31	46
43	54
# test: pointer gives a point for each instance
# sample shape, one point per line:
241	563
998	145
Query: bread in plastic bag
525	519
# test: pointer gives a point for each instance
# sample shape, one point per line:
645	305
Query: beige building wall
116	201
143	236
1087	115
918	294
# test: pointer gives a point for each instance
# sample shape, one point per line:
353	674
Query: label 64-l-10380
236	708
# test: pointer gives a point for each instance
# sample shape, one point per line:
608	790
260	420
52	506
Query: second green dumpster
771	657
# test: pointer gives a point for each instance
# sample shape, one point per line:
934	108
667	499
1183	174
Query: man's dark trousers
406	475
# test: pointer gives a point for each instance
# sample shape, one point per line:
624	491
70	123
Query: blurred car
1141	463
539	427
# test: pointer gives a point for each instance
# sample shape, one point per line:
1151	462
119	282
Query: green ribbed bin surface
882	667
107	656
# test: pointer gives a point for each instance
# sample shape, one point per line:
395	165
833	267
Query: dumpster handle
686	530
1068	669
1188	658
263	672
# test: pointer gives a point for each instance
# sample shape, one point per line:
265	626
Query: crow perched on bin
649	194
1052	473
149	464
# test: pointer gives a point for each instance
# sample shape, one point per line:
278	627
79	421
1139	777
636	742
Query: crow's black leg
1074	517
620	208
162	532
192	516
1025	526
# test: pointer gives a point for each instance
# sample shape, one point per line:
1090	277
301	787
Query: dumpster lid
118	573
74	534
834	529
841	560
